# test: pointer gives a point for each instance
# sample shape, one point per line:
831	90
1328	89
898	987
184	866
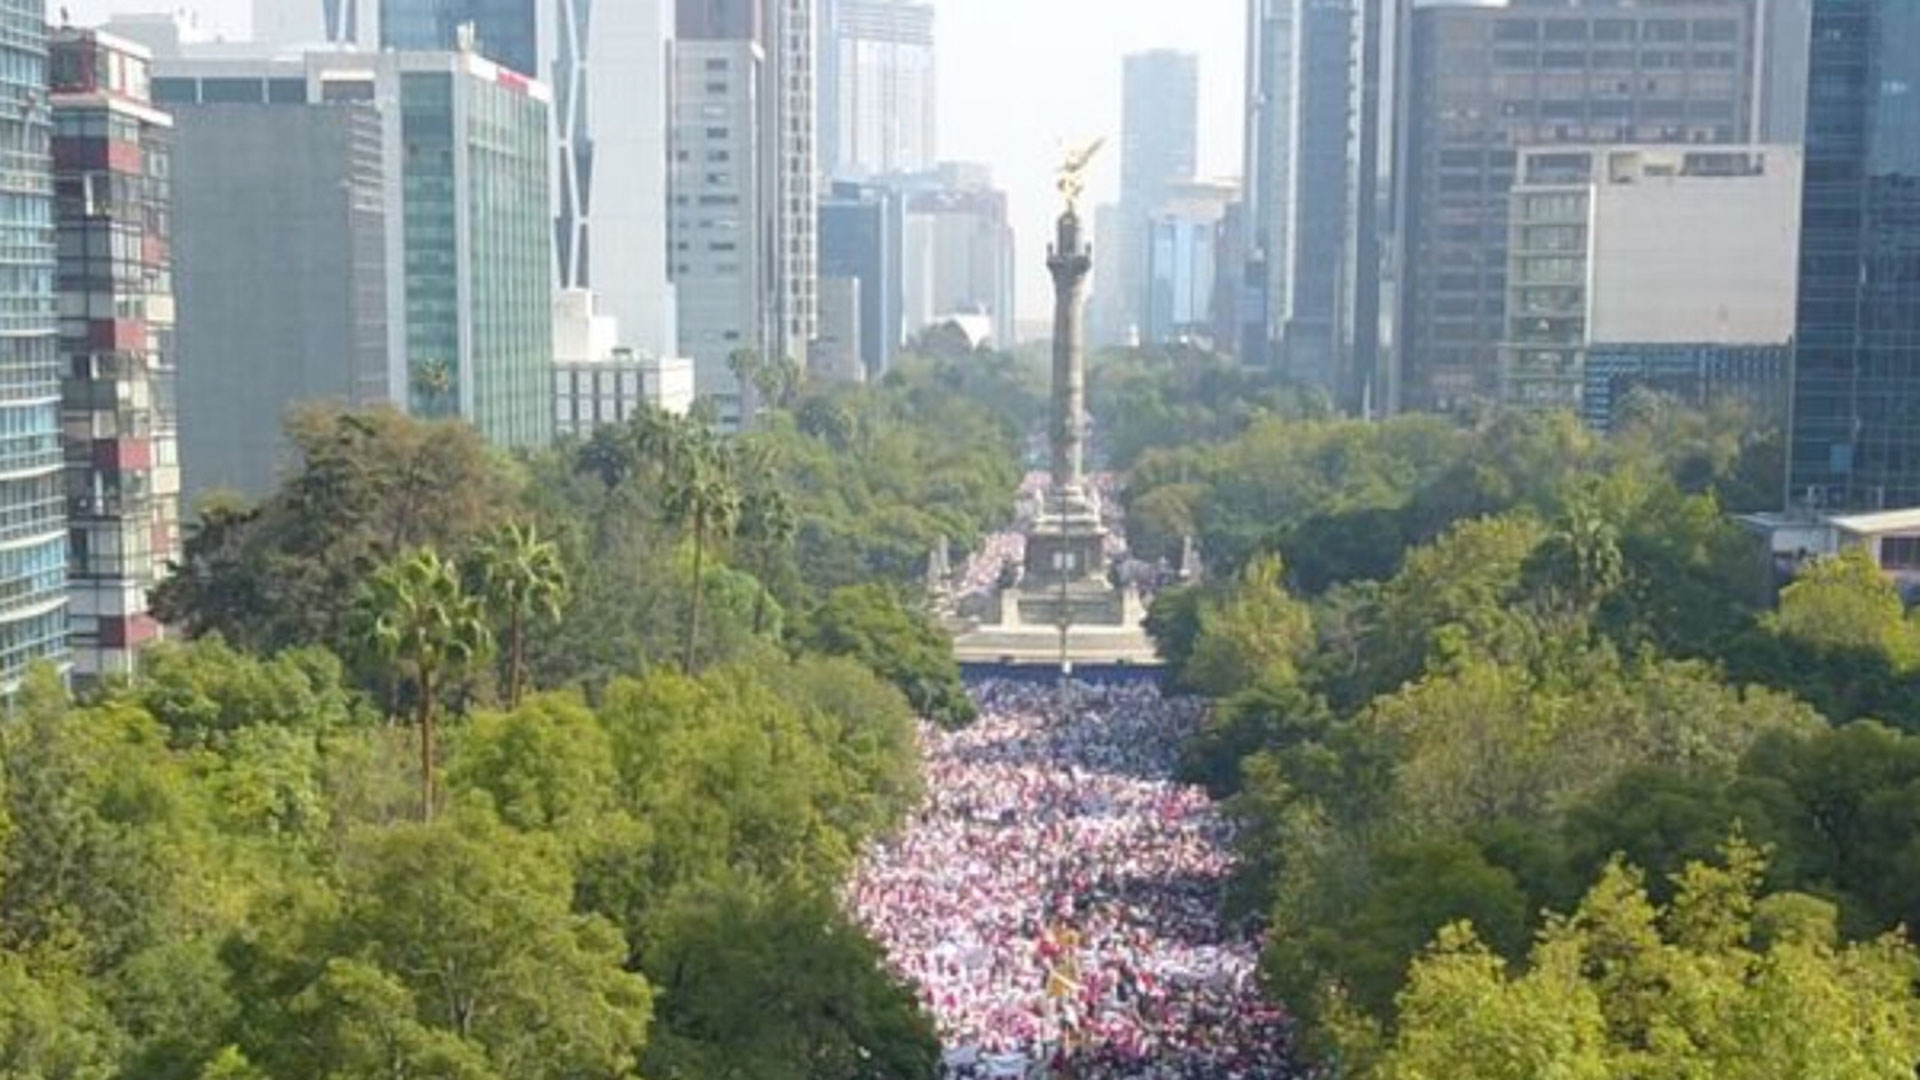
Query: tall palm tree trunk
516	661
426	746
693	614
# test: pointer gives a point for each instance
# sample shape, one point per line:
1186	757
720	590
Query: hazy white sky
1016	78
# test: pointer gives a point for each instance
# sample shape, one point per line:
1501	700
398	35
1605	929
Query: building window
1900	553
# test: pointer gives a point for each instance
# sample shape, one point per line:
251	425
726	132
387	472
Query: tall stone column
1069	260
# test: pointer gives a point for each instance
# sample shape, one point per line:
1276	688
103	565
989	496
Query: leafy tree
520	580
363	488
876	625
415	615
452	950
1847	602
763	982
207	693
1416	888
52	1027
1627	988
1257	631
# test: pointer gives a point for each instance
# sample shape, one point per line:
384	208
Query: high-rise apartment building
1855	428
462	305
1159	147
33	528
876	88
112	176
1483	81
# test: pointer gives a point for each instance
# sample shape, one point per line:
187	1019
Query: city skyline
1068	57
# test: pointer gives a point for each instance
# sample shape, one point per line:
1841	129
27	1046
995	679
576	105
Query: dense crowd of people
1056	899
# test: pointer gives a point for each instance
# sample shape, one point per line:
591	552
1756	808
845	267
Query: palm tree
768	523
432	381
520	579
414	615
701	497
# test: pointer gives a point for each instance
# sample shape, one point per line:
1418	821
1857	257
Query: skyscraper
1310	245
607	65
462	183
252	182
957	250
789	124
744	214
1483	81
860	238
112	202
479	244
505	31
1856	386
33	526
876	87
722	193
610	77
1159	147
1267	198
1783	88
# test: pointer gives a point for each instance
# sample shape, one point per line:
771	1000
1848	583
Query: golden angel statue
1073	170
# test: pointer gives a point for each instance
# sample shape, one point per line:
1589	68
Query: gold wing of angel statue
1073	170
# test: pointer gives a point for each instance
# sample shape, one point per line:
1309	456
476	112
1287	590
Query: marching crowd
1055	900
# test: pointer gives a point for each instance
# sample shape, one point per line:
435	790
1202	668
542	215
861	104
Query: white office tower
791	123
608	65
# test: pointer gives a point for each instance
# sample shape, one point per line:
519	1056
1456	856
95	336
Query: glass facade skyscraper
1856	390
478	246
505	31
33	528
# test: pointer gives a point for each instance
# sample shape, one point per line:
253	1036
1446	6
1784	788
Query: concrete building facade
1644	245
458	319
112	157
722	197
1482	81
